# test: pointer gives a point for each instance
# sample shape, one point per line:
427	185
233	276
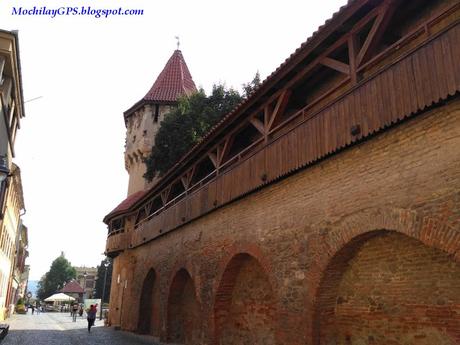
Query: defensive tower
143	119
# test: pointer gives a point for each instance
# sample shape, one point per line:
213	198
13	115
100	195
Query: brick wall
405	180
183	311
389	289
243	311
149	317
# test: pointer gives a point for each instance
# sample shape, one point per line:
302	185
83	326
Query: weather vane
178	42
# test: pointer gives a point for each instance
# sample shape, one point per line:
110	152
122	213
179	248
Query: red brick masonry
361	248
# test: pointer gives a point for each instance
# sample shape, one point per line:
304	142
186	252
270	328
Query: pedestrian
80	310
37	306
33	309
91	316
74	312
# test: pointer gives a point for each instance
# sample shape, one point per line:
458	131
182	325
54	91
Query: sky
80	73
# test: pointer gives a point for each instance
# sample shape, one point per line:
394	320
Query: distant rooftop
72	287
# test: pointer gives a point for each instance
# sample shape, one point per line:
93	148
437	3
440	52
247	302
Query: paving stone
58	329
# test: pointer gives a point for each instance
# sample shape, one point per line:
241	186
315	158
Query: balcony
116	242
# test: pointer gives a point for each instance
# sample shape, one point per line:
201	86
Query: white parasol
59	297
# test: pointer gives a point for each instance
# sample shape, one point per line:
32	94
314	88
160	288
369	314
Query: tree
184	126
61	271
100	280
251	86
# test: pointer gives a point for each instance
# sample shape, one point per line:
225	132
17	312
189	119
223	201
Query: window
157	113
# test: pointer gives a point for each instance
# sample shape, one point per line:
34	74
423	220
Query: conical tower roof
174	81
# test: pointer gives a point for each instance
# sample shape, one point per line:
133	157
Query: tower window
157	112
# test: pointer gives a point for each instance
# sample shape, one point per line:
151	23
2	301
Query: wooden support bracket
336	65
187	178
165	194
376	33
258	125
279	109
213	157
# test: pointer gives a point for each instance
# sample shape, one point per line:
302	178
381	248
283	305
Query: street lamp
4	173
106	265
84	285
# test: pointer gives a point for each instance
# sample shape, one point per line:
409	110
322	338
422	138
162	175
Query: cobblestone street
58	329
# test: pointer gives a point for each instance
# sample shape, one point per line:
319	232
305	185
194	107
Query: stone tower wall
141	129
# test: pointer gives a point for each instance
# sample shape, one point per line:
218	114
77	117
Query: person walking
74	312
91	316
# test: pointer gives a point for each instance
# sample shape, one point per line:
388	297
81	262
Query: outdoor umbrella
59	297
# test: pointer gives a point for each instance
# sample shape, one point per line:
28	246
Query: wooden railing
116	242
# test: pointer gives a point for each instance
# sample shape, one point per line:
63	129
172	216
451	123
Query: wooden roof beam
165	194
279	108
148	208
341	41
223	150
213	157
378	28
352	51
336	65
258	124
187	178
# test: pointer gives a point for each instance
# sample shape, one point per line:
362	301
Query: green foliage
61	271
186	125
100	280
250	87
20	308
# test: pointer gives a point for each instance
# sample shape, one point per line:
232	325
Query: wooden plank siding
406	86
116	242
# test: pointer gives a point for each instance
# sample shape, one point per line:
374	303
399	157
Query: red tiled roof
128	202
72	287
174	81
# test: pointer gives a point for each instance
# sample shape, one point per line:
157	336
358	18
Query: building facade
86	278
11	106
20	269
11	228
12	246
331	212
23	282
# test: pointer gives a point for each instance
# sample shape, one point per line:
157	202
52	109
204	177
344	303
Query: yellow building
21	270
10	226
86	277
